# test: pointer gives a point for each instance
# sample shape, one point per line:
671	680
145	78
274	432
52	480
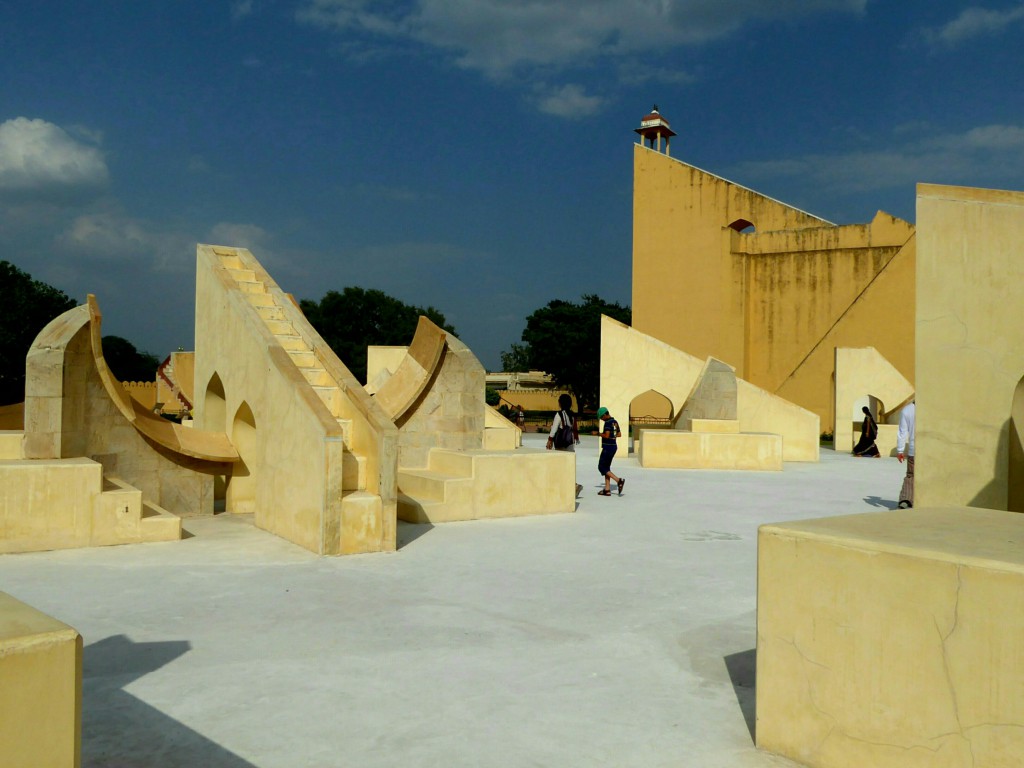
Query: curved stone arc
416	370
197	444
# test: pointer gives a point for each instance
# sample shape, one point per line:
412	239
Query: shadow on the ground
409	532
122	731
742	668
878	501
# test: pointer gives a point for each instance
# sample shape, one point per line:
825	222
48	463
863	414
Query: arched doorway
241	485
650	410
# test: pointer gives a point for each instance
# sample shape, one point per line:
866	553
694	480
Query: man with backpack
564	435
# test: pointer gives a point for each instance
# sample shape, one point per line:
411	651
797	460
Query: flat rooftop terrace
622	635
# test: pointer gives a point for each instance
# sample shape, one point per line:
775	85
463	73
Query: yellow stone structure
634	364
316	453
863	374
40	689
970	347
892	640
721	270
282	431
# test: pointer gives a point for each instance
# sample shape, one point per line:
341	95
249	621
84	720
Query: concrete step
280	327
260	299
428	485
329	396
450	462
303	359
361	522
318	377
230	262
353	472
251	286
413	510
243	275
271	313
157	524
293	343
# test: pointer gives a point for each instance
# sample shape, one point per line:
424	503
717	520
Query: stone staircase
479	483
66	503
319	378
166	372
441	492
122	505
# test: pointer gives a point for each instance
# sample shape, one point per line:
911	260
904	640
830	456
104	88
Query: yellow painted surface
10	444
970	347
41	690
381	362
715	425
859	373
65	503
308	434
418	367
500	434
633	363
671	448
892	640
772	303
478	484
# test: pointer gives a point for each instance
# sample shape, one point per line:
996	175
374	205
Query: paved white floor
621	635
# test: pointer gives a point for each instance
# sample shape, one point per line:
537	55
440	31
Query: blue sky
473	155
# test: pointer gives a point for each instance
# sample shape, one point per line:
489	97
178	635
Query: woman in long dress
868	434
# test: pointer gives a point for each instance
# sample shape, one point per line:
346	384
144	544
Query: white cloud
113	237
498	37
40	160
973	23
978	157
571	102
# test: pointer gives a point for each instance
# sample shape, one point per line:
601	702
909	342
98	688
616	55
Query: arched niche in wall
241	485
651	405
743	226
1015	468
215	416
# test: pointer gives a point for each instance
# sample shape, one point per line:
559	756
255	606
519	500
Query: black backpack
564	436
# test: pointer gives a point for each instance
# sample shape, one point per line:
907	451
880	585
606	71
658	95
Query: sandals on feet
622	483
604	493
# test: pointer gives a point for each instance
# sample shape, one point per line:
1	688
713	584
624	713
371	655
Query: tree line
562	338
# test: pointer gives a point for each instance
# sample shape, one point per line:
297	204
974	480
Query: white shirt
905	433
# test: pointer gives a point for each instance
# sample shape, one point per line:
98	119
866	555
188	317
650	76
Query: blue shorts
604	464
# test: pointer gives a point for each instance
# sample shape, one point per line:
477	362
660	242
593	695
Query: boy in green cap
609	432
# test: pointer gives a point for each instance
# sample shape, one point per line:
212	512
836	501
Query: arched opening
649	410
241	485
877	410
215	406
743	226
214	418
1015	458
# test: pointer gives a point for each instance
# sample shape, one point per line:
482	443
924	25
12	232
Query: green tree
128	363
28	306
516	360
564	339
356	318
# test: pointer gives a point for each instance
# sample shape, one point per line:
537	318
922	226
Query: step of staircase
420	511
430	485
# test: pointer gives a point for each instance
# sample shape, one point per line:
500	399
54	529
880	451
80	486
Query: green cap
601	411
